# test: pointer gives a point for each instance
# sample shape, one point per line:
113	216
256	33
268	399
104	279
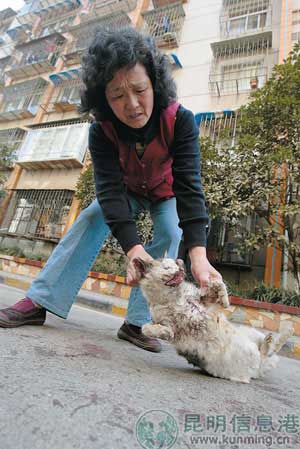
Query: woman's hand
133	253
201	269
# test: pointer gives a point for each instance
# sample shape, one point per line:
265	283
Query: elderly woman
145	153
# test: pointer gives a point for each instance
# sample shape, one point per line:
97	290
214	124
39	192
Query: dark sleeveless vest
151	176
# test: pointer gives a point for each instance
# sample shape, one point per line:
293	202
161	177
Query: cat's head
163	272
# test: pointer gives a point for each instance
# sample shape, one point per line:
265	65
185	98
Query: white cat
196	326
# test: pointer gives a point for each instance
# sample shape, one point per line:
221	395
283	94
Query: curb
118	306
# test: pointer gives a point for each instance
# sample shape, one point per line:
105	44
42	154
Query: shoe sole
123	336
5	324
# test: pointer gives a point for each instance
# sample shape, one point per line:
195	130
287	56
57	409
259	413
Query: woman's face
130	96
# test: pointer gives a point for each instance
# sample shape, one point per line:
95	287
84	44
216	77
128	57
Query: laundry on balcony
66	95
21	100
165	24
35	57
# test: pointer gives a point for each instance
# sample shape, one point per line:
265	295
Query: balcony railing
48	10
237	78
243	47
3	64
165	24
54	147
102	8
218	125
85	33
224	243
161	3
22	100
66	95
38	213
245	17
12	139
35	57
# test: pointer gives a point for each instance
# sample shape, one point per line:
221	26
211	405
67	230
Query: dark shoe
134	335
21	313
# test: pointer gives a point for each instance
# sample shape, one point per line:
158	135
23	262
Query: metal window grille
161	3
244	16
57	146
21	100
85	33
38	213
35	57
222	125
66	96
223	242
296	37
3	64
12	138
165	24
240	64
296	17
239	77
101	8
51	10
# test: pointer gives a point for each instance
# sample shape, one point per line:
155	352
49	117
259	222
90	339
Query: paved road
73	384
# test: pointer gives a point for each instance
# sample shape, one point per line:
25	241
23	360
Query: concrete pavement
73	384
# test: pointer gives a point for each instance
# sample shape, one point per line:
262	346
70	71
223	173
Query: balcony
242	47
102	8
40	214
12	138
245	17
84	34
217	125
54	147
162	3
49	10
66	95
22	100
3	64
165	24
35	57
237	78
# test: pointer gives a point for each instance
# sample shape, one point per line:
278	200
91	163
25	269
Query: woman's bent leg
56	286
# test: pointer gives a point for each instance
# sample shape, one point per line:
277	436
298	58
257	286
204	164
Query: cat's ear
180	263
141	265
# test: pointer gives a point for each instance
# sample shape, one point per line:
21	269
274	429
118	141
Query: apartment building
219	50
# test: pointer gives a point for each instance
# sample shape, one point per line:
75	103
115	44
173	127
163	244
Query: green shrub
110	262
275	295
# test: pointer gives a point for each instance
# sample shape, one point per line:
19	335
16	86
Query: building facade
220	51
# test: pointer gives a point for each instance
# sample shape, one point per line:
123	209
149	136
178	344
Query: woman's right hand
136	251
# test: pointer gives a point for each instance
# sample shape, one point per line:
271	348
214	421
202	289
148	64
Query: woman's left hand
201	269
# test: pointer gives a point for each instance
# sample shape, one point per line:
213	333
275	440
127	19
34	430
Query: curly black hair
112	50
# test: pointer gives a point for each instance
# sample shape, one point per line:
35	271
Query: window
247	23
296	17
242	77
38	213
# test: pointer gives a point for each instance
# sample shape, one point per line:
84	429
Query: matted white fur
198	329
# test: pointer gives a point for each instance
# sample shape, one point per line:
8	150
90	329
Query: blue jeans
58	283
